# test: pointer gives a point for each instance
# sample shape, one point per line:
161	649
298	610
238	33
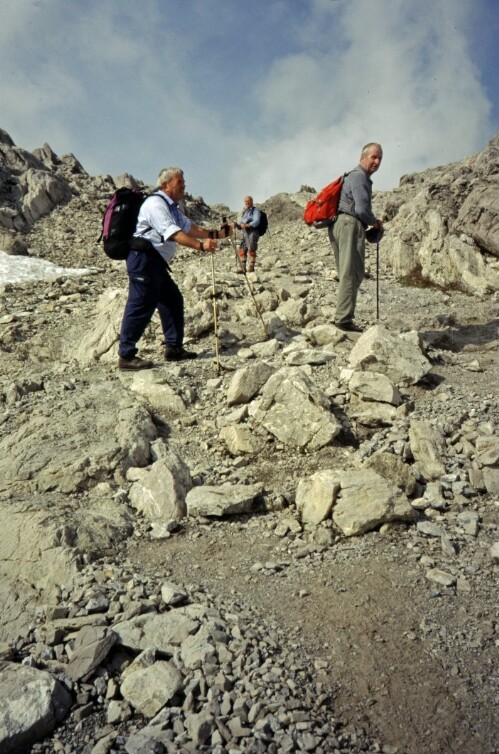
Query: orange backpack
321	212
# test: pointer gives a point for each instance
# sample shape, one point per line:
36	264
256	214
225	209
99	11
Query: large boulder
398	356
159	491
367	500
33	702
296	411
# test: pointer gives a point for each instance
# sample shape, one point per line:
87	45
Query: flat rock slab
97	431
224	500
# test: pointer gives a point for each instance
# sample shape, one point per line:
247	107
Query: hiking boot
251	267
348	326
134	363
178	353
241	269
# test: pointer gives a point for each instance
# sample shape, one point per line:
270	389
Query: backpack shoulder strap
155	193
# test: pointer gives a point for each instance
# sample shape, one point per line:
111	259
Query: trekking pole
377	278
255	302
215	315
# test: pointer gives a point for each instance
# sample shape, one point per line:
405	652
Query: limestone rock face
77	444
443	224
41	539
27	189
478	218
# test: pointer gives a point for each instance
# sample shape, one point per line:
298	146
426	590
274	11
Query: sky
250	98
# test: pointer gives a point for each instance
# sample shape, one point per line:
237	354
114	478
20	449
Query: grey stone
32	704
247	382
427	446
149	689
371	386
398	356
294	410
160	490
160	631
367	500
392	467
440	577
91	648
241	440
200	727
224	500
316	495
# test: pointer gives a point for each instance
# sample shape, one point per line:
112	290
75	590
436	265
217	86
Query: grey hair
369	146
167	174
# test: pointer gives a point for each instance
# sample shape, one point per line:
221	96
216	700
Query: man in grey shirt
348	234
249	222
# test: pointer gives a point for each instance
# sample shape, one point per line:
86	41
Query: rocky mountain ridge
252	510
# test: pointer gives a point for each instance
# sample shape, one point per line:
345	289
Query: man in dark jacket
161	225
348	234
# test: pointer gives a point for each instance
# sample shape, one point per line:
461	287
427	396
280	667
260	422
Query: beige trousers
348	240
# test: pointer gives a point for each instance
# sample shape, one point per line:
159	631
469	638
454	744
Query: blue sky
257	97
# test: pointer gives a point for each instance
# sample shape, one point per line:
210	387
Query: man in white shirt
160	227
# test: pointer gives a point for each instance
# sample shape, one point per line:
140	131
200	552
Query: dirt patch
401	661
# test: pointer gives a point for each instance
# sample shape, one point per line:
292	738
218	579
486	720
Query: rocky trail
296	552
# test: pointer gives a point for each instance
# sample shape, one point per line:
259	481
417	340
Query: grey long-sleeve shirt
356	196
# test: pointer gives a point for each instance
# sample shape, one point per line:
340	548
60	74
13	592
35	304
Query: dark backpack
120	220
322	211
263	224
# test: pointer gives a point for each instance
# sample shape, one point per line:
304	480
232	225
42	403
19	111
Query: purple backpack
120	221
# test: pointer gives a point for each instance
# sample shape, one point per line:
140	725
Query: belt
355	218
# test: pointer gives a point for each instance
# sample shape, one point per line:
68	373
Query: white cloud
255	98
405	79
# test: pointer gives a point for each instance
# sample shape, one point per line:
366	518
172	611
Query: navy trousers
150	287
